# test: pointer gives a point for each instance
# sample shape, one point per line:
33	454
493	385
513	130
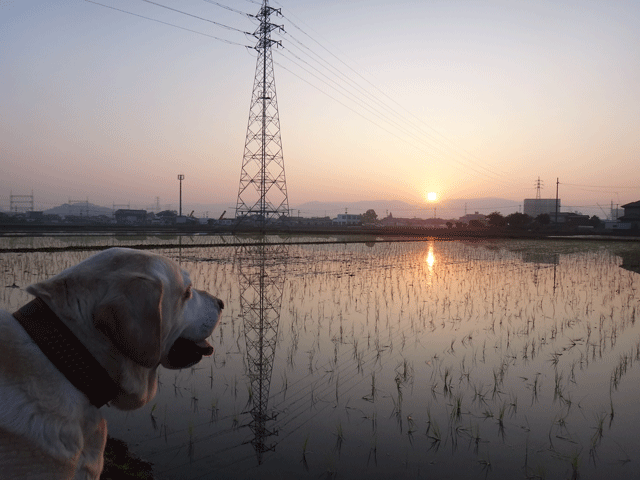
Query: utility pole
180	177
263	188
611	214
557	184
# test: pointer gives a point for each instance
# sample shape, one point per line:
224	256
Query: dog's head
134	311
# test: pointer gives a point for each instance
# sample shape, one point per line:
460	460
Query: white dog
95	333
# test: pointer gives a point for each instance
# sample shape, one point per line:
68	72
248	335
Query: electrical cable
199	18
230	42
228	8
380	116
383	93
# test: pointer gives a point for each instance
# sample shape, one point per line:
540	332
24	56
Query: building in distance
347	219
477	219
538	206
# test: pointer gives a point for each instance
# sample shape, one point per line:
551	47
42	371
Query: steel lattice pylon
262	194
262	271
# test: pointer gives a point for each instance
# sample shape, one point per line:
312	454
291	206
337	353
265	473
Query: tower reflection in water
262	271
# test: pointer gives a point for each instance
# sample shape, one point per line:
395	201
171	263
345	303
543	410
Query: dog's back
38	439
22	459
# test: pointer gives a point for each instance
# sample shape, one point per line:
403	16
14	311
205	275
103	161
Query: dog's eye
187	294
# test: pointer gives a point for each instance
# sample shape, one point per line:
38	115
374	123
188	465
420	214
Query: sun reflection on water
448	350
430	261
430	258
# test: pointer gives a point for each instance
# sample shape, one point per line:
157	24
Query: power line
335	99
375	98
368	103
230	42
371	99
610	187
354	91
368	106
199	18
226	7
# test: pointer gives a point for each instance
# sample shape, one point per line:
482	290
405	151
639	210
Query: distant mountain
448	209
454	208
79	209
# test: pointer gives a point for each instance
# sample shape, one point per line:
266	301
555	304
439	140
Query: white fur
49	429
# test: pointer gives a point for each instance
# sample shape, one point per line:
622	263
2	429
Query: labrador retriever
95	333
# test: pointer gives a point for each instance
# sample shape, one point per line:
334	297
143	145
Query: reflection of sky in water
511	358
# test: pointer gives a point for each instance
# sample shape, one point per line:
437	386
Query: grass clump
121	464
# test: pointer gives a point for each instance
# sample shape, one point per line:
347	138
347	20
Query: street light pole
180	177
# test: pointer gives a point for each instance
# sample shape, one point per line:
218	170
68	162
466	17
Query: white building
347	219
537	206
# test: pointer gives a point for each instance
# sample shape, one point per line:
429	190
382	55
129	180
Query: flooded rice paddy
433	359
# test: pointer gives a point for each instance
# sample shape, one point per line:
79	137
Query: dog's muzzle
185	353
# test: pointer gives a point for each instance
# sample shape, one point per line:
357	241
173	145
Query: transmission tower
539	184
262	275
262	195
20	203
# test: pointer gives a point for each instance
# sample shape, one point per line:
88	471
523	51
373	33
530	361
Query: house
347	219
631	214
313	221
130	217
166	217
569	218
391	221
474	217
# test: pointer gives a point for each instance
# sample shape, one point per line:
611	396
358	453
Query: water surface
434	359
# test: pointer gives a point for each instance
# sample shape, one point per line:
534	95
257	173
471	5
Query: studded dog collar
66	352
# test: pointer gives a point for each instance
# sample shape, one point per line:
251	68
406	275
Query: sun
431	196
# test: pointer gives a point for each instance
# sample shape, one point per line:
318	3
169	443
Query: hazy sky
377	100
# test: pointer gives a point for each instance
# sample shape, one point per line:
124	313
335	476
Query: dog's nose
221	303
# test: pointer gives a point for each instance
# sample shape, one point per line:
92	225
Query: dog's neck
66	352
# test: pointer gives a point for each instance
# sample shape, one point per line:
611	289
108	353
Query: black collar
66	352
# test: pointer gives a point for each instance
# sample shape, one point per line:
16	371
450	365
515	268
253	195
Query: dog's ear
130	315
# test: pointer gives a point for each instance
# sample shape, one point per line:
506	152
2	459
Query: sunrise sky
377	100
